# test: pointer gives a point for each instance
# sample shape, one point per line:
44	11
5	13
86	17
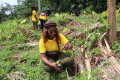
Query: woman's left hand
67	46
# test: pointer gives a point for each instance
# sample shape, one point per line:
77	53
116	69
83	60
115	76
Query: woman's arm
36	18
45	60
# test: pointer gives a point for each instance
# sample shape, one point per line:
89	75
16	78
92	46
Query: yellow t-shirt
43	17
51	45
33	15
85	13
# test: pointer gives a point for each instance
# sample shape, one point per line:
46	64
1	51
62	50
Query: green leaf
59	64
70	38
102	29
92	37
89	44
66	29
58	61
104	21
56	15
116	13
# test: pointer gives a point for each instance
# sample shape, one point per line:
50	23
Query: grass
33	68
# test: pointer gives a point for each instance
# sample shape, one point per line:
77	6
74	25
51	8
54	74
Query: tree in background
39	6
112	20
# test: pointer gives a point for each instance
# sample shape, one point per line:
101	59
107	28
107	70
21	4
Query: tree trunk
39	7
111	20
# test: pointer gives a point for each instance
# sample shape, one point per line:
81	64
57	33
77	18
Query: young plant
59	65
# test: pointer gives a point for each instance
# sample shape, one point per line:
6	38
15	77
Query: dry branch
90	29
27	45
69	18
21	45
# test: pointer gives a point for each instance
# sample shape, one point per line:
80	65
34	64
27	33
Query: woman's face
52	32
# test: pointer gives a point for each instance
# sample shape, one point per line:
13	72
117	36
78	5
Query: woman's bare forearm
45	60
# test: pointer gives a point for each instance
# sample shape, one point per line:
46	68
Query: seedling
59	65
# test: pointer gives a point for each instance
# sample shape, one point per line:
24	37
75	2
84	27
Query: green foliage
94	12
88	9
70	38
23	10
105	14
116	47
66	29
23	21
83	76
81	42
106	27
95	51
57	15
118	5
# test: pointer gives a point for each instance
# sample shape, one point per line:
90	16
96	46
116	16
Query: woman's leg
40	25
36	26
47	68
33	25
41	20
65	59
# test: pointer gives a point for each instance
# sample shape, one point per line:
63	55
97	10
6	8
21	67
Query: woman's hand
67	46
45	60
54	66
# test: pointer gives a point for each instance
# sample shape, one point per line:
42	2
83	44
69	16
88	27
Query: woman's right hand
54	66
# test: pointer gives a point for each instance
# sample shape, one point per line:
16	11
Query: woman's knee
67	61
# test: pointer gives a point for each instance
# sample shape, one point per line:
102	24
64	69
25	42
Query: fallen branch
27	45
69	18
81	33
21	45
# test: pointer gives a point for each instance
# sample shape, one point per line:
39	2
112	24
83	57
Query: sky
11	2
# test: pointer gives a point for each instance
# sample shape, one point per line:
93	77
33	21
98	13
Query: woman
85	14
43	19
34	18
50	48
